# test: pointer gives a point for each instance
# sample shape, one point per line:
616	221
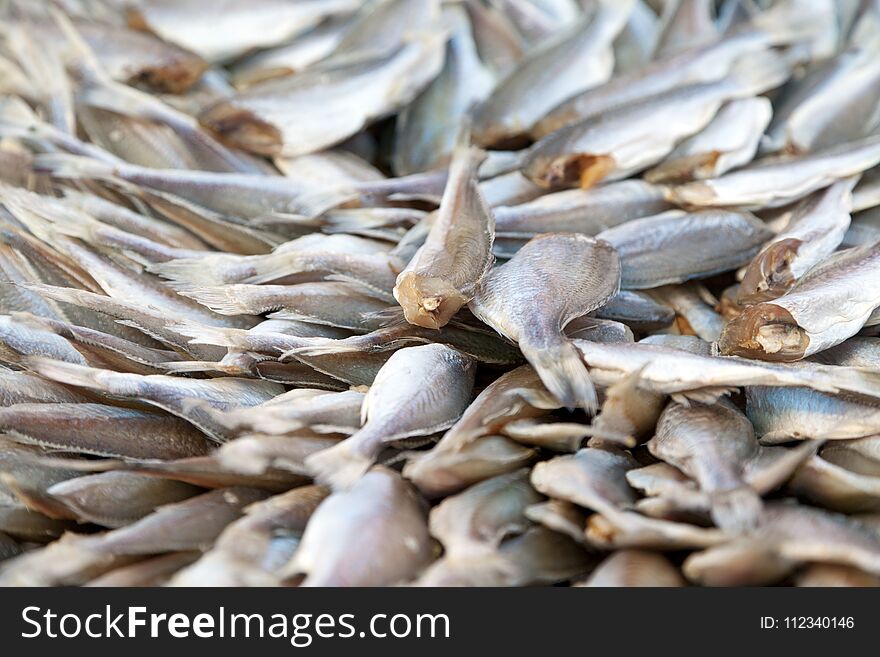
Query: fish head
241	128
429	302
769	275
764	331
582	170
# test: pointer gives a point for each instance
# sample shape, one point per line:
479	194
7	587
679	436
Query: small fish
293	115
193	524
154	571
831	105
774	182
780	415
592	478
457	253
173	394
395	409
730	140
380	517
712	443
705	378
583	273
628	413
240	26
103	430
839	480
255	454
830	302
625	140
787	22
425	132
676	246
581	58
116	499
637	310
588	211
252	549
788	536
854	352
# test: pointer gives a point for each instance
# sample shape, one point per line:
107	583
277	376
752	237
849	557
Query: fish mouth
427	302
769	275
242	129
583	170
765	332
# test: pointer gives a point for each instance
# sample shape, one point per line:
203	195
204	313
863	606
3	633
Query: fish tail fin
64	372
736	509
203	334
187	273
221	299
758	72
339	466
563	372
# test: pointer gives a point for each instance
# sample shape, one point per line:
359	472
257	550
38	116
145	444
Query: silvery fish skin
66	562
686	24
730	140
712	443
172	394
778	181
560	516
256	453
426	129
780	415
547	434
625	140
498	41
475	522
592	478
293	57
614	529
864	228
789	535
855	352
791	327
689	303
457	253
839	481
866	194
705	378
587	211
380	517
103	430
584	275
635	568
252	550
540	18
18	387
676	246
788	22
394	409
21	337
816	228
689	343
116	499
294	115
580	59
833	105
192	524
509	189
637	310
241	26
441	472
319	410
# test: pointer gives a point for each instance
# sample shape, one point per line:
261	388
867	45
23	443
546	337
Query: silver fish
584	274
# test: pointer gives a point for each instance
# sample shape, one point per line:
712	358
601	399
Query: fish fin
758	72
707	395
64	372
314	204
775	464
203	334
563	372
736	510
191	272
218	298
339	466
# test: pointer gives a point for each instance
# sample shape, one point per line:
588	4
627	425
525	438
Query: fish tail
736	509
189	272
563	372
340	466
202	334
759	72
220	299
64	372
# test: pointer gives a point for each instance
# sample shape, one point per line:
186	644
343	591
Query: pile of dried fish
440	292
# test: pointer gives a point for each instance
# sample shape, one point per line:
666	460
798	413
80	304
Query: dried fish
583	274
